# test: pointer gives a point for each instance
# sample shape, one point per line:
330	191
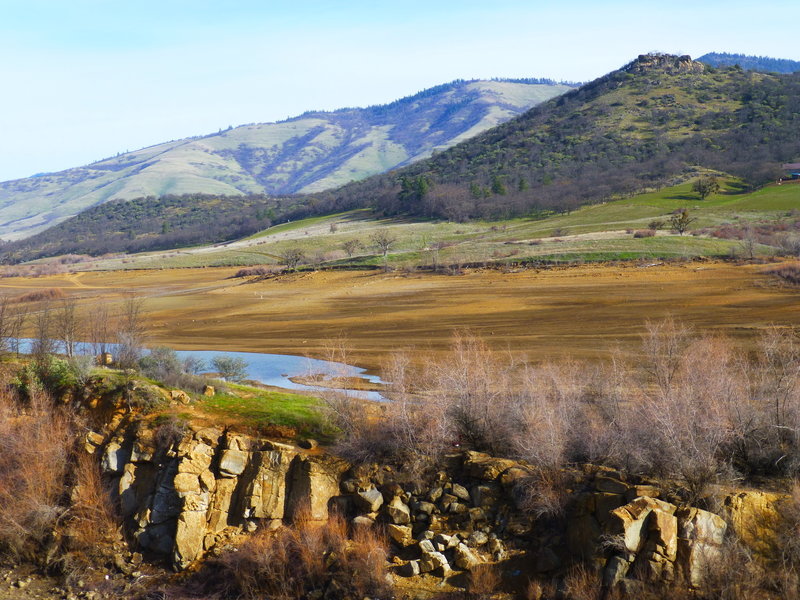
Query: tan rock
610	485
187	483
485	467
604	503
663	534
464	558
701	534
208	390
312	482
755	518
629	520
400	534
189	537
265	493
233	462
180	396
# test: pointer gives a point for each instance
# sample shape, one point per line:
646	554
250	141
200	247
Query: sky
83	80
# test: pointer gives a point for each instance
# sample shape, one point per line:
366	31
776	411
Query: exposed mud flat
581	311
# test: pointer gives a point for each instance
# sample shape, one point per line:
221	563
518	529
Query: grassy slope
593	233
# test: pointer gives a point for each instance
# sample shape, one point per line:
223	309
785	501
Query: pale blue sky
85	79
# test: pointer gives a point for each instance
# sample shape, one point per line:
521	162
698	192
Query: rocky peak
667	63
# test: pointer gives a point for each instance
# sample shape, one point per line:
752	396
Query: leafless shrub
92	525
543	494
644	233
254	271
484	581
581	583
39	295
548	410
788	273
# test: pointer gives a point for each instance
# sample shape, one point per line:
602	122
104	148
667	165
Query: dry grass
524	312
35	443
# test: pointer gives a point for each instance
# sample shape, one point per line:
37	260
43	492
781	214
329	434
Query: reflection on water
270	369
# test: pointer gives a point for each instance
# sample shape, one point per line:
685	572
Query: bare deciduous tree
292	257
99	329
67	327
131	332
350	247
43	344
384	241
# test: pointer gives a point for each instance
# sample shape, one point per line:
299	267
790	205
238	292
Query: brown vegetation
35	442
299	561
691	408
40	295
789	273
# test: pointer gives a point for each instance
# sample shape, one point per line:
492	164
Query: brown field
580	311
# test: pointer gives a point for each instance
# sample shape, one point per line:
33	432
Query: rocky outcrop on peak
667	63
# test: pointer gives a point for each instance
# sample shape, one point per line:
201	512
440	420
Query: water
269	369
275	369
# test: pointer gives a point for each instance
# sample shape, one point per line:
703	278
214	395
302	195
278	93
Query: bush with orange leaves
300	560
35	442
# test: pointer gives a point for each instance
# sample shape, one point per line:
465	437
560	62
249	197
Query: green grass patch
260	408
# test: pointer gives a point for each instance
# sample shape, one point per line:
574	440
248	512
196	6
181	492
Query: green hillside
721	225
312	152
648	125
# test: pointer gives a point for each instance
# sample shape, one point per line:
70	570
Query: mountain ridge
751	63
308	153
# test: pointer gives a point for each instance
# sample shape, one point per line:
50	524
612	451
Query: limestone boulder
485	467
398	512
464	558
434	561
180	396
400	534
233	462
312	481
628	521
369	500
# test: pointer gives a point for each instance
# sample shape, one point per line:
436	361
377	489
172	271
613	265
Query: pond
271	369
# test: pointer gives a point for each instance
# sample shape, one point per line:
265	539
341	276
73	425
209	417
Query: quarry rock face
183	499
187	496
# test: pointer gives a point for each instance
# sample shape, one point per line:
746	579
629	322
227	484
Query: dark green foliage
705	186
750	63
637	128
51	374
161	223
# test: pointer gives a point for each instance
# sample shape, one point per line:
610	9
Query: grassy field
599	232
263	409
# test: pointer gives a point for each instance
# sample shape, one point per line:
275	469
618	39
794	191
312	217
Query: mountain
750	63
655	122
309	153
649	124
